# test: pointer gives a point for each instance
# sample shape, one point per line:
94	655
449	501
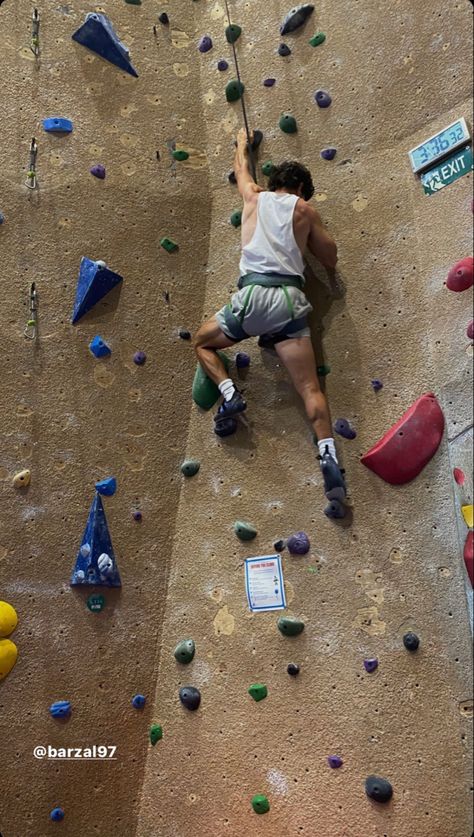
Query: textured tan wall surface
397	72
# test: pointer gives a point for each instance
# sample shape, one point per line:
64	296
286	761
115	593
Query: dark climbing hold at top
190	697
378	789
322	98
57	125
411	641
205	44
298	544
284	50
328	153
344	429
295	18
184	334
293	669
242	360
269	82
98	35
94	282
185	651
377	384
107	487
371	665
234	90
233	33
98	171
317	39
138	701
236	218
164	19
335	762
222	65
289	626
139	358
288	124
460	277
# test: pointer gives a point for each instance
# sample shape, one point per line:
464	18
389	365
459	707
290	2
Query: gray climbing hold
322	98
190	467
289	626
205	44
345	429
288	124
378	789
185	651
244	531
295	18
335	510
190	697
234	90
328	153
298	544
411	641
233	33
284	50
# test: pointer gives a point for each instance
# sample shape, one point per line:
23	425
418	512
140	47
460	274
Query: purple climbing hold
242	360
205	44
328	153
335	762
344	429
298	544
98	171
137	515
139	358
322	98
376	384
371	665
284	50
269	82
222	65
336	510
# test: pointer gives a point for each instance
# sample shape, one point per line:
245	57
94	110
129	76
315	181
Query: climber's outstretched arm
245	182
320	243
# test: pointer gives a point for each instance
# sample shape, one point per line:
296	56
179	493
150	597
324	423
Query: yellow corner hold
8	657
8	619
468	515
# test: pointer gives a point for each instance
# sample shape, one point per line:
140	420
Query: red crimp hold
410	444
460	277
469	555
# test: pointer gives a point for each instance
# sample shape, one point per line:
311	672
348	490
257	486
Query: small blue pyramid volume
95	562
98	35
94	282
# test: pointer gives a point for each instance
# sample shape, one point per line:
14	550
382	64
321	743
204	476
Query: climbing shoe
225	426
334	483
232	407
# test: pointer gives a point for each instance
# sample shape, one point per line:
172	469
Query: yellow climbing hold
8	619
22	479
468	515
8	657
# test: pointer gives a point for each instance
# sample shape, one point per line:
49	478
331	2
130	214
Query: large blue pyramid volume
95	562
94	282
98	35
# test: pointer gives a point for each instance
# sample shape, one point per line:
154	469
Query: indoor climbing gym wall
147	688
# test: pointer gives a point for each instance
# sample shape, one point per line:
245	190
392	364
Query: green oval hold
258	691
260	804
233	33
190	467
268	168
156	733
289	626
288	124
244	531
236	218
234	90
317	39
185	651
180	154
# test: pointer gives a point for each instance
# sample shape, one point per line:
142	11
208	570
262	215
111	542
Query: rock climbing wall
396	75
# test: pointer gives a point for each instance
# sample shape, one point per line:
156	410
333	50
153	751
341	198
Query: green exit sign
448	171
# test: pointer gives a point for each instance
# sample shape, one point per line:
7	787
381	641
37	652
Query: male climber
277	226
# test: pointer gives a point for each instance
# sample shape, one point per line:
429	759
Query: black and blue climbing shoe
232	407
334	483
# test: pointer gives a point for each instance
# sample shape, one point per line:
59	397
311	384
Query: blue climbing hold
222	65
95	562
269	82
57	125
322	98
377	384
328	153
284	50
138	701
371	665
57	814
99	347
295	18
60	709
98	35
107	487
344	428
94	282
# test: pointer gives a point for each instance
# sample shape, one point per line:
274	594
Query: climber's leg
298	356
208	339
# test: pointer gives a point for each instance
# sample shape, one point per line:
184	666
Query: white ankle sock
330	444
227	389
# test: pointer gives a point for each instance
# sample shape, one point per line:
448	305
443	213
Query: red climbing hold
460	277
459	476
409	445
469	555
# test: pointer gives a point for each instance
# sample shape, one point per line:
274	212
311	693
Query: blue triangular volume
94	282
95	562
98	35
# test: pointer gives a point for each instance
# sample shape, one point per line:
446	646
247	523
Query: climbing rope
244	112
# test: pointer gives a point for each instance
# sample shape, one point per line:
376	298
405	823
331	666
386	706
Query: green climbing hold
268	168
244	531
290	627
168	245
287	124
258	691
185	651
234	90
156	733
206	392
180	154
260	804
323	370
96	603
317	39
233	33
236	218
190	467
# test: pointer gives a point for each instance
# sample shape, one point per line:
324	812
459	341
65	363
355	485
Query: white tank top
273	248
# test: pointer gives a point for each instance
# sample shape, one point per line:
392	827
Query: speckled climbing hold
184	334
234	90
94	282
268	168
155	734
289	626
8	619
233	33
269	82
57	125
258	691
137	515
293	669
284	50
378	789
288	124
317	39
260	804
335	510
98	170
335	762
410	444
328	153
322	98
298	544
242	360
190	467
344	429
205	392
8	656
323	370
468	555
371	665
469	330
96	543
22	479
99	347
377	384
185	651
236	218
411	641
57	814
190	697
460	277
295	18
244	531
107	487
205	44
60	709
168	245
98	35
180	154
280	545
164	19
222	65
96	603
138	701
468	515
139	358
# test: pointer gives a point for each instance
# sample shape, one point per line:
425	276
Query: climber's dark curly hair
290	175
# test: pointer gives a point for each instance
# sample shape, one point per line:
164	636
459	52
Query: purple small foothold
371	665
269	82
205	44
222	65
323	99
242	360
328	153
376	384
344	429
137	515
139	358
98	171
298	544
335	762
284	50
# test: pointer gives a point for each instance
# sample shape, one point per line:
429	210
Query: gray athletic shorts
271	312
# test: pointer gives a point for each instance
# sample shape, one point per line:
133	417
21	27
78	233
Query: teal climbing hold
258	691
236	218
323	370
233	33
190	467
180	154
205	392
317	39
288	124
185	651
260	804
244	531
268	168
169	245
289	626
234	90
